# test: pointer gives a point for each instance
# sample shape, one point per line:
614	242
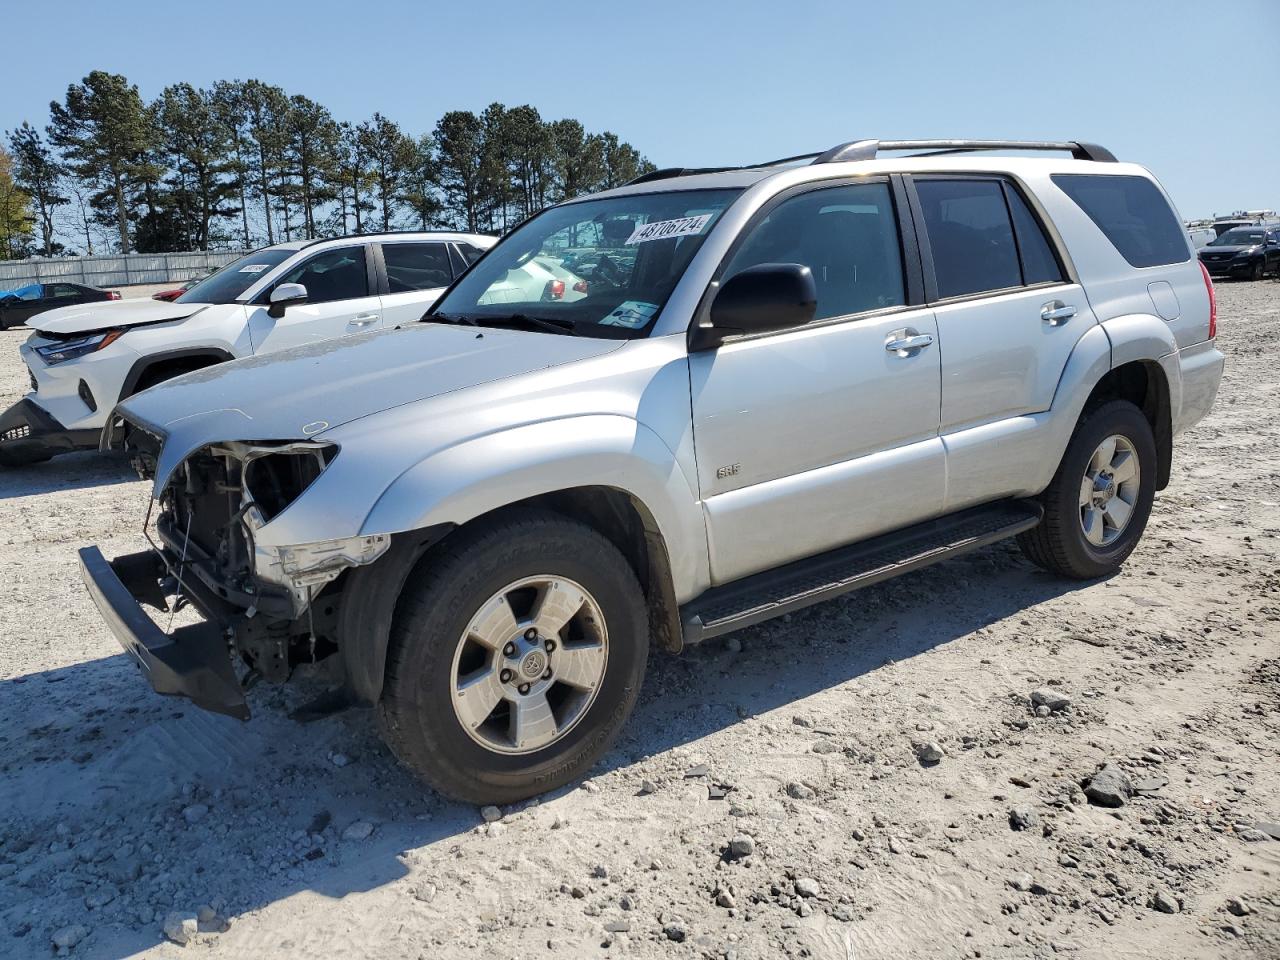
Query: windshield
1239	237
236	277
603	268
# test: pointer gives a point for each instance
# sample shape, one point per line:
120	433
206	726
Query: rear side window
469	253
1039	265
970	236
416	266
1132	213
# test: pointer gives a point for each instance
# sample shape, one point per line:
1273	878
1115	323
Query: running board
772	593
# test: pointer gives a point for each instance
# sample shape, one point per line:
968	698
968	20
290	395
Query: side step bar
772	593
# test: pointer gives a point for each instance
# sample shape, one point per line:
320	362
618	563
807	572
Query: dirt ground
766	799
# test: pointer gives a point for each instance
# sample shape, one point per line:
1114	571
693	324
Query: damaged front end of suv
270	608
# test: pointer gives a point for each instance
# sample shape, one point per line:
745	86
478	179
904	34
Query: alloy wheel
529	664
1109	490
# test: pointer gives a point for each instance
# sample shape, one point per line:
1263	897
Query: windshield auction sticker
666	229
632	314
255	267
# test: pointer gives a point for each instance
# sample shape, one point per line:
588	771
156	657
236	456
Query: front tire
1097	505
516	655
1259	270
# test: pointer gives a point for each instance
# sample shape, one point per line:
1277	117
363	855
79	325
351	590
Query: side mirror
766	297
286	295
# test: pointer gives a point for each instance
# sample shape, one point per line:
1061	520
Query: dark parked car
1249	252
19	306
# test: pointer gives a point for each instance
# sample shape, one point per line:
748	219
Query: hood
310	389
104	314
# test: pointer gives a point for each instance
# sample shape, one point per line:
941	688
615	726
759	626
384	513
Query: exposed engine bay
278	605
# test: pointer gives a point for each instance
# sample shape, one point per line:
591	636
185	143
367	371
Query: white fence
114	271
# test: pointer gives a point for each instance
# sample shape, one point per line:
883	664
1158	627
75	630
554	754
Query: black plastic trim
193	662
771	593
143	364
46	436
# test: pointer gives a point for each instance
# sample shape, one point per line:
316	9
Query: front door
340	300
815	437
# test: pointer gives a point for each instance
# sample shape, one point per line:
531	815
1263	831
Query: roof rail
668	172
867	149
371	234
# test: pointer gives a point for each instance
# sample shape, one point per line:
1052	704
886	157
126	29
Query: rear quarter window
1133	215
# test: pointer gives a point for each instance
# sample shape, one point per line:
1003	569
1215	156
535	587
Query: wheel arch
1144	384
146	364
371	594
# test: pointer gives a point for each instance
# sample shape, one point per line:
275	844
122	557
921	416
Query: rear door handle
363	319
1056	313
907	342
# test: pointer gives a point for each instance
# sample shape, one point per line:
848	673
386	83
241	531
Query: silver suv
752	390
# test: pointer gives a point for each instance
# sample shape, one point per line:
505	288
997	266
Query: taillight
580	287
113	294
1213	302
555	290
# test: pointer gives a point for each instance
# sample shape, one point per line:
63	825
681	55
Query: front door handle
1055	313
907	342
363	320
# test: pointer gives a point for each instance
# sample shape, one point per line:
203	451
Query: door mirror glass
759	299
286	295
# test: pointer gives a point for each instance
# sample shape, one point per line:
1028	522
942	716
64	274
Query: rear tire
473	619
1097	505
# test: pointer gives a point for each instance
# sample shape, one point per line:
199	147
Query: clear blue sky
1187	87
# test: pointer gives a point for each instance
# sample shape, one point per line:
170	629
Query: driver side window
333	275
847	236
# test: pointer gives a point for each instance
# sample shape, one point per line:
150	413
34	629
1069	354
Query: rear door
813	437
340	300
413	274
1008	319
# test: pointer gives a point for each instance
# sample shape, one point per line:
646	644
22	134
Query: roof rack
667	173
868	149
369	234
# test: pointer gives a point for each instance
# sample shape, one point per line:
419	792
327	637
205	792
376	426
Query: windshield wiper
523	319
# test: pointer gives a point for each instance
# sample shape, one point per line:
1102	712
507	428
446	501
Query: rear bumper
29	433
192	662
1200	370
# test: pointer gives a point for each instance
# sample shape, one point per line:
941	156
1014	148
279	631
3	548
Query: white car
537	279
86	358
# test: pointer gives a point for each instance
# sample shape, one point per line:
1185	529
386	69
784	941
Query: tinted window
970	236
416	266
61	290
1039	265
848	237
1132	213
469	253
333	275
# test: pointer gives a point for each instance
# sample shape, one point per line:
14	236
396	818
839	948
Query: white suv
84	359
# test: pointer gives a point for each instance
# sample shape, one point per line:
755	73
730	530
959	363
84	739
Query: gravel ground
767	799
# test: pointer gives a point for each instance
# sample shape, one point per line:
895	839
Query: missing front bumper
193	662
30	434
